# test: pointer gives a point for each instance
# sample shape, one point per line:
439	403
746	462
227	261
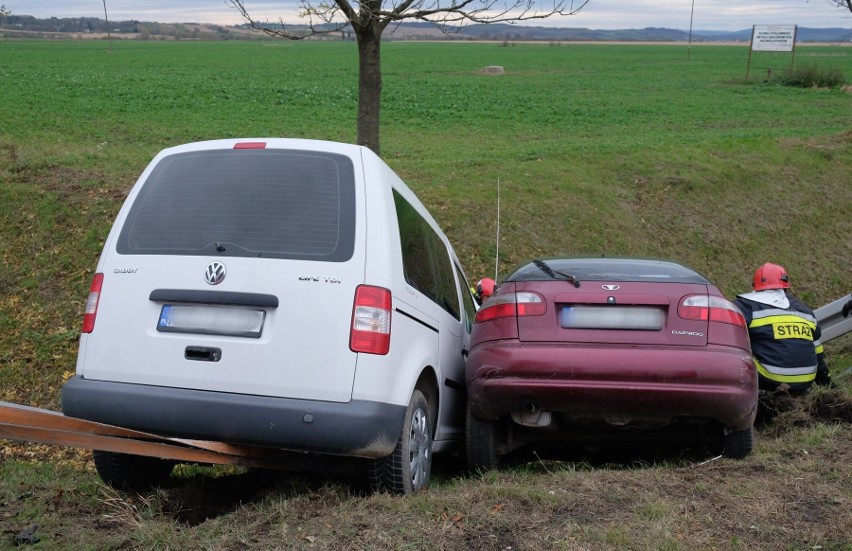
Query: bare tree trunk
369	85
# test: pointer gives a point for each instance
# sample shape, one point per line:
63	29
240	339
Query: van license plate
211	320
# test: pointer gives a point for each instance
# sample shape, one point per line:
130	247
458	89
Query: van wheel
480	443
739	444
408	467
132	473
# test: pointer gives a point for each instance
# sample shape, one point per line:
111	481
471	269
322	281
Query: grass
599	149
814	76
792	494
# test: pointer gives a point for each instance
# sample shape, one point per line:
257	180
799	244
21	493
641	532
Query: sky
728	15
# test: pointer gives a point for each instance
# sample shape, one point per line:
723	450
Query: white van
283	293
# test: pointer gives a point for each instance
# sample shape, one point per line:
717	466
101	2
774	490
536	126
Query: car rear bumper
356	428
615	385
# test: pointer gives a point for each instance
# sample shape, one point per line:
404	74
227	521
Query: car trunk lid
613	312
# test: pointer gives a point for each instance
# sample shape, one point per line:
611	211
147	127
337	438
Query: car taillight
710	308
523	303
250	145
91	311
371	320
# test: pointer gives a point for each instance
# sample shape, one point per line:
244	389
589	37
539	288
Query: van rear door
234	270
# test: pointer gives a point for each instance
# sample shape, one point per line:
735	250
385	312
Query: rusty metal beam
29	424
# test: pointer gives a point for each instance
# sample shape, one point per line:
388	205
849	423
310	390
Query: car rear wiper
555	274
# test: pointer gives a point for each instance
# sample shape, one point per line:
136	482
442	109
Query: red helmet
771	276
484	288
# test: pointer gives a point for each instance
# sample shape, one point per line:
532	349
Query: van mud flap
29	424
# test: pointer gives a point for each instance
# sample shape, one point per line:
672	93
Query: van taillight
371	320
523	303
710	308
91	311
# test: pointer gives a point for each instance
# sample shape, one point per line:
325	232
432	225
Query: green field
598	149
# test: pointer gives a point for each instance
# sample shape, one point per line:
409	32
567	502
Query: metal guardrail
831	319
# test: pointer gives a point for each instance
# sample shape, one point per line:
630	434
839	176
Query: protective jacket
785	339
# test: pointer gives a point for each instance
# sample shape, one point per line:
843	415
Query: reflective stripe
775	370
782	316
787	375
778	312
819	348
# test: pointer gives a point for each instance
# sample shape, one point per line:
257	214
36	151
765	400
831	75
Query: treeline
29	26
143	29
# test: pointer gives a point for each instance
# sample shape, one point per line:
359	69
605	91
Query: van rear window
255	203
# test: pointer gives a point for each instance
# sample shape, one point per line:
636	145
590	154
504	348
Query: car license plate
612	317
211	320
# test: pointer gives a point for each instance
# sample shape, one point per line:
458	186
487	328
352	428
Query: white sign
773	38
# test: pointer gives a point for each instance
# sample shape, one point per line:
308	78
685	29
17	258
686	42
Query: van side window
425	258
467	300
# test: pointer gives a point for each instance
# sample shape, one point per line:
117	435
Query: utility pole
109	37
689	46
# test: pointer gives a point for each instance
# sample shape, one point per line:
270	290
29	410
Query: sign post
772	38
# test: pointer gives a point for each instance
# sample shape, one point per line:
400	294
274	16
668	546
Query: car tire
738	445
132	473
408	468
480	443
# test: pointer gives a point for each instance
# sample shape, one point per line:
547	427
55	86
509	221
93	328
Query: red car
572	349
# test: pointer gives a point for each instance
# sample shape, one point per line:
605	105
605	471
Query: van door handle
203	354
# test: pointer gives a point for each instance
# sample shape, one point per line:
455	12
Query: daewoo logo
687	333
215	273
610	287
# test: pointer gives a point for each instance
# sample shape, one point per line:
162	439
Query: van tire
408	467
480	443
132	473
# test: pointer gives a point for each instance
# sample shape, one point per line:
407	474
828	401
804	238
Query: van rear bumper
357	428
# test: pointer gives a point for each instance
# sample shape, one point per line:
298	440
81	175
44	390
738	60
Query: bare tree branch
327	17
842	4
490	11
322	14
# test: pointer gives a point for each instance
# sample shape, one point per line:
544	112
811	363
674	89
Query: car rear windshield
611	269
255	203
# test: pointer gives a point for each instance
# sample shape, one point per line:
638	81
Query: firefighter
784	333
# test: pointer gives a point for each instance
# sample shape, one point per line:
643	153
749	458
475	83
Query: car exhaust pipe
531	415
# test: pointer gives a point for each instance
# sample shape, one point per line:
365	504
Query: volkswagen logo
215	273
604	287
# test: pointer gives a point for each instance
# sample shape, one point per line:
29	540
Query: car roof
611	269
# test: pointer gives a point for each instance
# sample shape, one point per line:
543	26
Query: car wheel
480	443
738	445
408	467
133	473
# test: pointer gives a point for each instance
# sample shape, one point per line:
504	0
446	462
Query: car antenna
497	252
